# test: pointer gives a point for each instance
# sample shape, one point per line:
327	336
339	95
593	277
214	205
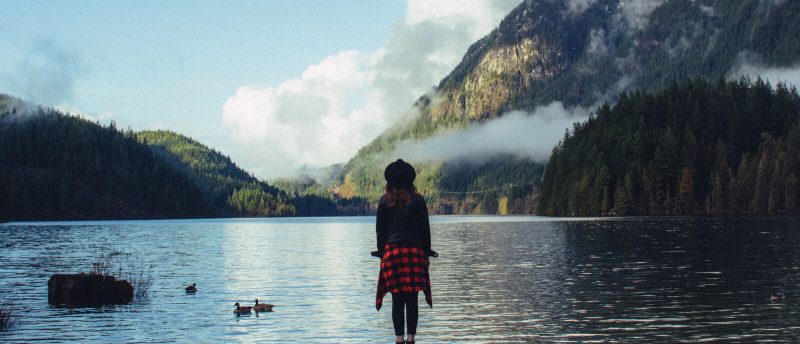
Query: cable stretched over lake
504	187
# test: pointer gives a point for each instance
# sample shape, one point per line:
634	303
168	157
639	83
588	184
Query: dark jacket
404	224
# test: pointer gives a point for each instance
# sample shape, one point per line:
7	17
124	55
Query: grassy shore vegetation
717	148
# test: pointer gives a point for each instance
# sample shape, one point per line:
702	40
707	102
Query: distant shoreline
452	218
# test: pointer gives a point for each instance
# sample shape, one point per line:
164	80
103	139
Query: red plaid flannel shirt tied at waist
404	268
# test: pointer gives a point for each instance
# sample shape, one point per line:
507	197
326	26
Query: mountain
54	166
316	198
697	148
234	192
579	53
231	190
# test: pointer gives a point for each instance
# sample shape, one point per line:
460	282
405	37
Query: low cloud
597	42
22	111
753	70
338	105
46	75
576	7
306	120
526	135
103	118
637	12
18	111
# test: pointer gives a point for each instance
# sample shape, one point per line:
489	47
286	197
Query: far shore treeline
676	138
697	148
55	166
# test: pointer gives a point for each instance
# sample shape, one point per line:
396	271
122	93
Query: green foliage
590	57
303	185
257	202
235	192
318	200
708	148
501	185
57	166
231	190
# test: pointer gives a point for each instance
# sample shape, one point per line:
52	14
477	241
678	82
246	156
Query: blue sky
273	84
276	85
160	63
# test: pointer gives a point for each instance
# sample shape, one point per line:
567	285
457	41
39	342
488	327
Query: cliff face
549	50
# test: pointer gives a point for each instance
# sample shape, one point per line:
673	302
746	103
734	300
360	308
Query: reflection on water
510	279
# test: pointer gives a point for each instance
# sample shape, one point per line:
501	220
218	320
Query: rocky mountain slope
556	50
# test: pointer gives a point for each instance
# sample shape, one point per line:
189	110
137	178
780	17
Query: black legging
409	300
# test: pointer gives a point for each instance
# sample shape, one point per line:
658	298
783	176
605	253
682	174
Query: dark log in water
87	290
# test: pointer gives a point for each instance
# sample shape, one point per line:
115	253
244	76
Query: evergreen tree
685	201
693	167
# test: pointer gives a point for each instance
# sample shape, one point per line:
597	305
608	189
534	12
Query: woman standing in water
404	241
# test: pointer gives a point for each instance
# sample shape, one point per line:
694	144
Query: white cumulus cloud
338	105
305	120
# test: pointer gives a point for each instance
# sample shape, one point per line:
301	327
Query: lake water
498	280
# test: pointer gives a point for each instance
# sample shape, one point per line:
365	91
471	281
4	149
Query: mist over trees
580	55
703	148
716	148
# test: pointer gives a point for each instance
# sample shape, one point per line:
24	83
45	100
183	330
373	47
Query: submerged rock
87	290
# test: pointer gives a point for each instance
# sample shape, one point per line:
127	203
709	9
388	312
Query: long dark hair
399	194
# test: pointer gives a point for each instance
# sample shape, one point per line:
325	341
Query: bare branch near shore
5	318
124	266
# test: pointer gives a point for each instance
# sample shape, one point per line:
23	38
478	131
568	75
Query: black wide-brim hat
400	172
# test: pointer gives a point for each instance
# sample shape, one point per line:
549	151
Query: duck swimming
192	288
242	309
777	295
263	307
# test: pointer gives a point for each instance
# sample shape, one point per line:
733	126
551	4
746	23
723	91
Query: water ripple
497	280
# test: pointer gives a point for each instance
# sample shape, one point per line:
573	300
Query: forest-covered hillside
234	192
697	148
57	166
231	190
546	51
318	199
